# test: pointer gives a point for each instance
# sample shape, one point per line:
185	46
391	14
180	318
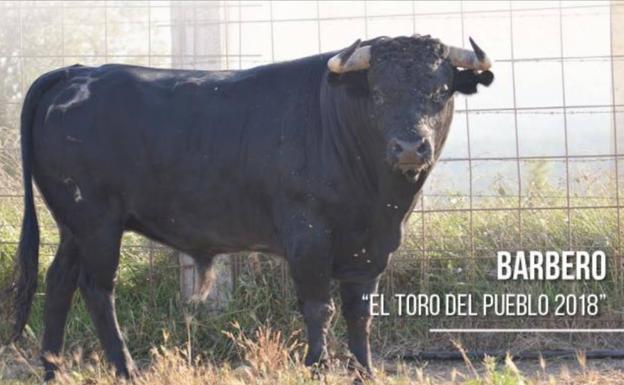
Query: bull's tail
27	257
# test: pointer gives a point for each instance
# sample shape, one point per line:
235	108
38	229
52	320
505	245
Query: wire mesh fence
532	163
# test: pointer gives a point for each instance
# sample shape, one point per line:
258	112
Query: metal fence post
617	89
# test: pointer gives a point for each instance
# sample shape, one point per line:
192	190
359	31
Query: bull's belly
208	230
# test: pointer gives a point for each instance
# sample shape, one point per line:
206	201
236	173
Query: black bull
320	167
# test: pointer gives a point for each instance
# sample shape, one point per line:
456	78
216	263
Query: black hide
286	159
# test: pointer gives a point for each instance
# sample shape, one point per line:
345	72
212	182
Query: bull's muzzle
412	157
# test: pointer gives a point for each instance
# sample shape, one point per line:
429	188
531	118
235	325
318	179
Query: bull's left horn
353	58
475	59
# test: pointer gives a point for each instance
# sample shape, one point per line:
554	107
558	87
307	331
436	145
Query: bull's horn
475	59
353	58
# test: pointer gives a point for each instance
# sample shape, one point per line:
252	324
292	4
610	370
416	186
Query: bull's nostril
423	148
397	148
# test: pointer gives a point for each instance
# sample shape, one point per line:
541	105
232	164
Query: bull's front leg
357	315
310	267
317	316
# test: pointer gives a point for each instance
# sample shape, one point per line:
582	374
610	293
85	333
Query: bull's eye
440	94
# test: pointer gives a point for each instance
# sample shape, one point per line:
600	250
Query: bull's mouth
412	175
410	172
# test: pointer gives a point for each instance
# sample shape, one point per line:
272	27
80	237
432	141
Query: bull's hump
179	76
172	78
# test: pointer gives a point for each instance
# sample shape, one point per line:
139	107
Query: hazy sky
527	41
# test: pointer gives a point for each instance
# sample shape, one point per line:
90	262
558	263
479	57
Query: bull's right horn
475	59
353	58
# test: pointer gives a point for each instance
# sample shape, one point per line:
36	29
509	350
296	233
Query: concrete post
221	291
196	44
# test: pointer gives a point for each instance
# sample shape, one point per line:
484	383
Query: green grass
456	256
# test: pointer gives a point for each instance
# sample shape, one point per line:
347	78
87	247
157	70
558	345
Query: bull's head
411	82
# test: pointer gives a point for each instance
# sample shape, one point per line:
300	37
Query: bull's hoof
51	367
49	375
361	374
127	375
319	369
364	378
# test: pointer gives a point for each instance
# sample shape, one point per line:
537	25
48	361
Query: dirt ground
447	371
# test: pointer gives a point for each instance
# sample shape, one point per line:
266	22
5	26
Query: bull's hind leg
61	283
99	262
356	312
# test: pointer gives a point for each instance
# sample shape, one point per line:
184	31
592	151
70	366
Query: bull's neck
350	139
357	145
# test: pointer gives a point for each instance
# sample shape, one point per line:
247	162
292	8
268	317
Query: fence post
188	277
617	87
221	291
199	41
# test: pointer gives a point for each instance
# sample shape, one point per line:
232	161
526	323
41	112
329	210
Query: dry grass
270	358
439	265
266	351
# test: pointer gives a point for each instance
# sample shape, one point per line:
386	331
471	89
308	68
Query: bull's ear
466	81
